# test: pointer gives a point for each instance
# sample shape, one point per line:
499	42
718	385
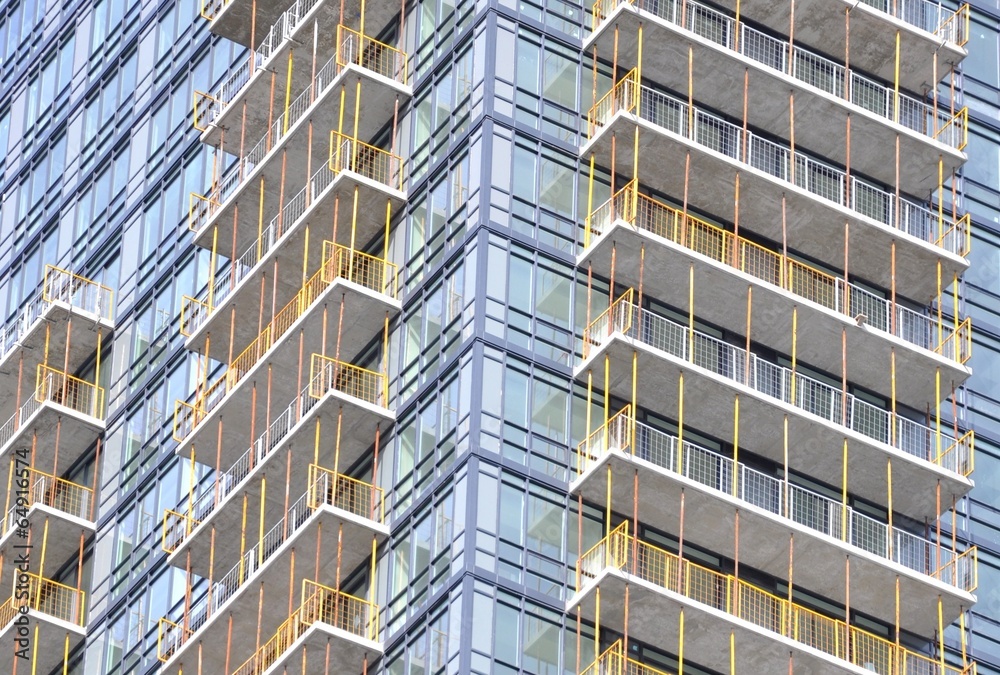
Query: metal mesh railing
920	329
778	161
927	15
381	166
330	488
320	604
327	374
353	48
805	507
57	493
738	598
830	403
43	595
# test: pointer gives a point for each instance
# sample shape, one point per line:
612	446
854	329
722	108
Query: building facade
495	337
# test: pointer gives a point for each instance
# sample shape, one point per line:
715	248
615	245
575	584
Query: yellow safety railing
327	487
957	126
58	387
327	373
378	57
623	96
167	634
192	312
349	154
960	229
86	294
957	26
200	208
57	493
964	565
43	595
320	604
614	662
957	344
964	448
734	596
339	262
187	416
211	8
712	241
176	528
377	274
617	433
617	317
202	108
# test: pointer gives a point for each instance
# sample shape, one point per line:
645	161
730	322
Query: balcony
819	198
233	19
246	100
924	27
52	624
254	182
64	416
44	327
631	227
285	245
334	505
310	323
57	513
327	622
820	417
825	93
767	628
772	511
334	404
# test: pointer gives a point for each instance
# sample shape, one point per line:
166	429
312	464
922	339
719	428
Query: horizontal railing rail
929	444
736	597
780	162
835	519
954	341
614	661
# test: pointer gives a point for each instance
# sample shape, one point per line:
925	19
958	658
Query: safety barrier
784	384
624	433
776	160
645	213
736	597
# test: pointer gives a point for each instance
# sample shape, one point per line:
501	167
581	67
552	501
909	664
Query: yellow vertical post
590	208
680	420
607	508
635	381
795	336
288	91
940	612
937	414
211	268
680	641
691	313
